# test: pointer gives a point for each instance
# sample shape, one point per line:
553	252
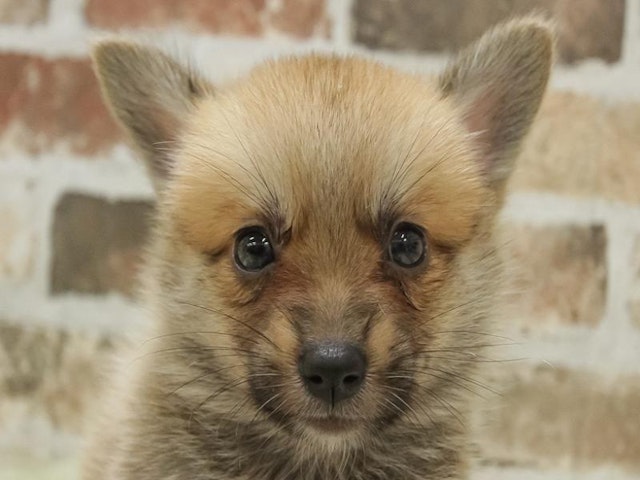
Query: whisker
471	332
396	407
458	348
231	180
217	393
456	307
230	317
400	166
427	171
164	142
203	349
408	165
261	407
404	377
477	360
251	158
467	379
200	377
249	173
279	406
204	332
450	408
236	408
450	380
413	412
277	385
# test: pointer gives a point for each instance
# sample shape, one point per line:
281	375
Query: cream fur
327	154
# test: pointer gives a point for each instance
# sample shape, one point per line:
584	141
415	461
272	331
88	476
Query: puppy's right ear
151	95
498	84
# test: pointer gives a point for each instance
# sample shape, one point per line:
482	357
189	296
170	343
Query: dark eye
407	247
253	250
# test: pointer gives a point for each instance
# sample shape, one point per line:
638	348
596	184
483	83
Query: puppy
322	267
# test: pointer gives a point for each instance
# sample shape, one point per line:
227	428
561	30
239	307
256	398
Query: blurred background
74	207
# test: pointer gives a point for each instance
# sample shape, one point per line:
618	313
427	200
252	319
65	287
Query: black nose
332	371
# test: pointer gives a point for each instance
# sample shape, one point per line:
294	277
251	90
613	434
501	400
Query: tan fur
327	154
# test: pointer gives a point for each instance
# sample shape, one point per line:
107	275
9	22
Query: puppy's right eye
253	250
407	247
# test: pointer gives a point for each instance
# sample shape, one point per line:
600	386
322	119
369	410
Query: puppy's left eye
253	250
407	247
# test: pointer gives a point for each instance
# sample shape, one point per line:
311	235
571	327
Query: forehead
325	142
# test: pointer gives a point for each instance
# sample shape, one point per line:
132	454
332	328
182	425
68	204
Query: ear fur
498	83
150	94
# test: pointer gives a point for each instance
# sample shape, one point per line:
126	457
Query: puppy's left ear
498	84
151	95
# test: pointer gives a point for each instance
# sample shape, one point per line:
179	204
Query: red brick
582	146
23	12
19	237
221	16
575	292
553	417
44	103
300	18
97	244
634	300
56	374
588	28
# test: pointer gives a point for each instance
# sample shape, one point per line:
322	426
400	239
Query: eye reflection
407	247
253	250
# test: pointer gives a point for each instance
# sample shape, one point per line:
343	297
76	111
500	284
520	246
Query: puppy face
322	258
326	215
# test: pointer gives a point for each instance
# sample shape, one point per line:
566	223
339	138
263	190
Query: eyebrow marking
260	174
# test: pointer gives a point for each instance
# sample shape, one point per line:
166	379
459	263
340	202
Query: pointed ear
498	83
151	95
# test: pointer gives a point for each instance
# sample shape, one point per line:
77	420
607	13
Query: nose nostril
332	371
351	379
315	379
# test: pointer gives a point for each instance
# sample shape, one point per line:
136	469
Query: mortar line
630	55
341	15
227	56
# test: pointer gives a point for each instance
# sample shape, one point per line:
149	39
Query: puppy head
323	224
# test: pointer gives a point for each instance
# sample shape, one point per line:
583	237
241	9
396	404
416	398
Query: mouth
332	424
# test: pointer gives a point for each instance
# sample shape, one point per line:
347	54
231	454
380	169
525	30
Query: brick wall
74	206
